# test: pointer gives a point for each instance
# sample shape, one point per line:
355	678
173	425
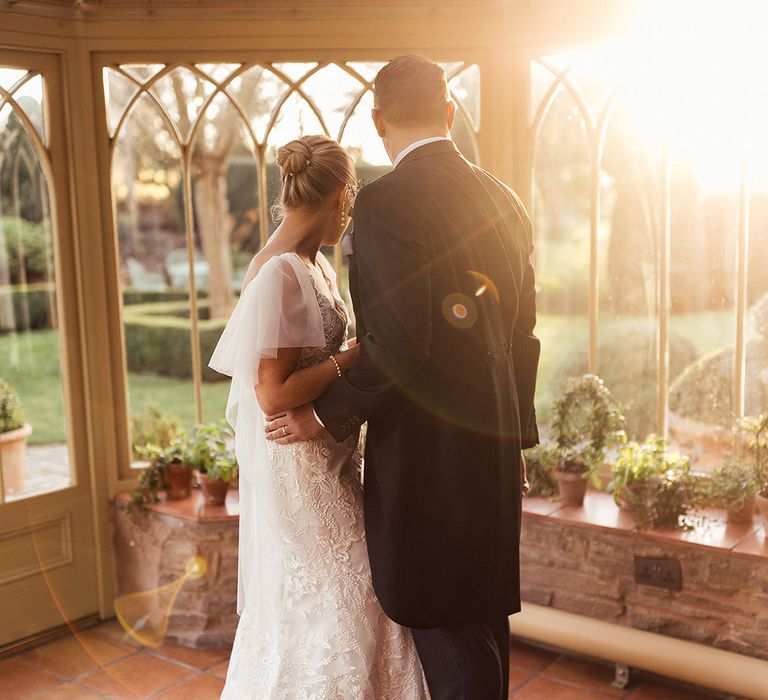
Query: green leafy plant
158	428
638	466
659	485
11	414
730	485
208	451
586	422
153	478
540	464
752	445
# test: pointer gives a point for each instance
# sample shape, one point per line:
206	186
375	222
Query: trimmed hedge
704	391
35	300
138	296
158	339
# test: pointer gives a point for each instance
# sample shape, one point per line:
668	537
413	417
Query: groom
443	290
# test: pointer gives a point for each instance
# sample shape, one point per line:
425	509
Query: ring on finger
285	432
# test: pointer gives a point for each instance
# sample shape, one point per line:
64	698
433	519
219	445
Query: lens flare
485	285
459	310
144	615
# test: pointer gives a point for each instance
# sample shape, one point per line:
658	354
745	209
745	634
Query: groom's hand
295	425
526	487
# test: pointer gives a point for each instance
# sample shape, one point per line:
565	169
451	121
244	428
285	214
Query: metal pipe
702	665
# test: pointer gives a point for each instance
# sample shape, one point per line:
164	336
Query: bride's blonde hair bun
311	168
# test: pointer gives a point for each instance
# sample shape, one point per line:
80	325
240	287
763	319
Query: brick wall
590	571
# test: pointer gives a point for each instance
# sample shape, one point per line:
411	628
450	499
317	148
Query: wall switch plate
663	572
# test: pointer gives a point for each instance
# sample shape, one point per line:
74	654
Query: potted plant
733	486
14	432
166	472
638	469
670	498
157	428
209	453
752	445
541	462
586	422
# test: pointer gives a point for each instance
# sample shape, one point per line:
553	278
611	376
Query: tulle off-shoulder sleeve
277	309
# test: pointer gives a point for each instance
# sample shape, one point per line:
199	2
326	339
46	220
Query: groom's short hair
411	91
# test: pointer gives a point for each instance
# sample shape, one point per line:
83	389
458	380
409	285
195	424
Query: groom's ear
450	113
378	122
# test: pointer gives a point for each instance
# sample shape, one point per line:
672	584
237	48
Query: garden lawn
29	362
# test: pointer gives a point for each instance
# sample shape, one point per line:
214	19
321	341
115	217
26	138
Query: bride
310	624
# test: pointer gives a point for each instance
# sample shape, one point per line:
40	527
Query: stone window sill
600	511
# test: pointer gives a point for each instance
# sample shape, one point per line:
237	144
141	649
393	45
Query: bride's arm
280	388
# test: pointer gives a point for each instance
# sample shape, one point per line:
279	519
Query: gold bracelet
336	365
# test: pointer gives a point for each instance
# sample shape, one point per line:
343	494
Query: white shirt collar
416	145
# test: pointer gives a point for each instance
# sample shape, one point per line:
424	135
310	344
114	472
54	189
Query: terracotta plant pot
573	488
178	481
762	508
633	496
214	491
13	450
743	516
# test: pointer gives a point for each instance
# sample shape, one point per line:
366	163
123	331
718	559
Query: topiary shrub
629	367
11	415
32	307
157	339
704	391
26	242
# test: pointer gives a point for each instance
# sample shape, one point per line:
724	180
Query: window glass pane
258	91
142	71
756	399
33	442
367	70
225	187
628	255
704	225
561	224
465	88
118	91
332	90
218	71
182	94
294	71
363	143
154	270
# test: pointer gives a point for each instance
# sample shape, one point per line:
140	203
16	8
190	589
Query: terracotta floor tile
658	690
529	658
197	688
517	678
200	659
584	673
112	629
78	653
18	679
68	691
546	689
220	670
136	677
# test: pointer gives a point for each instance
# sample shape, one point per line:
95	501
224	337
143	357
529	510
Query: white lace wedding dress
310	624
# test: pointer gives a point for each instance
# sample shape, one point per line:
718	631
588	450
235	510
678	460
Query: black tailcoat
443	291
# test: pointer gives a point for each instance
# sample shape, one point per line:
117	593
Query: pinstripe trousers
466	663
